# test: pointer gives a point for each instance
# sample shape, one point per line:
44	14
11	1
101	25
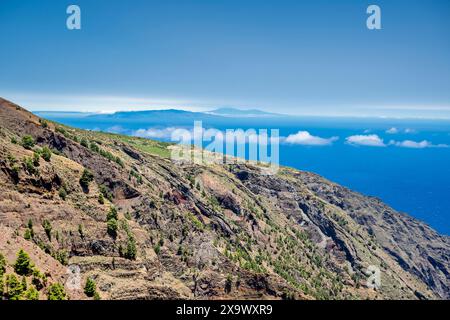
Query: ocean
408	174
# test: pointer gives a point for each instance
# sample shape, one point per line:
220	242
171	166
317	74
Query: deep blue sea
412	180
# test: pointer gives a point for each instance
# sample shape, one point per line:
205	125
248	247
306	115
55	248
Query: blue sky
299	57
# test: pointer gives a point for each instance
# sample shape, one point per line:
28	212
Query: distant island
235	112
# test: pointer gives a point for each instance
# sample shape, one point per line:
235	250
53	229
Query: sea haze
385	158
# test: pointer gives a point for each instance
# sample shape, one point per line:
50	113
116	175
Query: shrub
81	230
36	158
57	152
56	292
15	170
38	279
23	265
24	283
112	214
2	265
105	192
47	228
119	162
46	153
12	160
90	289
84	143
101	199
31	294
157	249
228	283
196	222
213	200
13	140
62	193
43	123
29	165
28	142
27	234
86	178
62	131
94	147
62	256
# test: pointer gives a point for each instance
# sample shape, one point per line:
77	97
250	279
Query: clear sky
300	57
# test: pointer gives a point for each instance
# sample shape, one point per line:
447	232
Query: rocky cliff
143	227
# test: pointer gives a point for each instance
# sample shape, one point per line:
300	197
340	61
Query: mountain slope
201	232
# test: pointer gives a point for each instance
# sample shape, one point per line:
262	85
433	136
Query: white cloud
305	138
392	130
116	129
416	144
206	135
299	138
395	130
155	133
371	140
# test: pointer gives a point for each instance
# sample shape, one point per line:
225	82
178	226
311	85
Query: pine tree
111	221
23	265
131	248
56	292
86	178
14	289
112	227
90	289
